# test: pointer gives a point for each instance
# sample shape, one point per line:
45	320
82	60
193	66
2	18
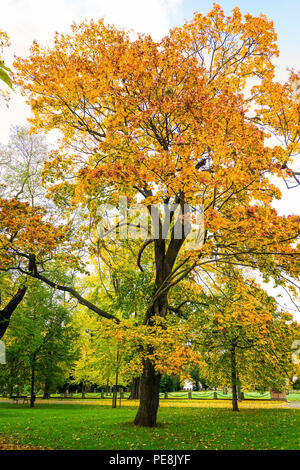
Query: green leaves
4	75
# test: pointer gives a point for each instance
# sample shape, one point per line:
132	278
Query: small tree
102	355
243	337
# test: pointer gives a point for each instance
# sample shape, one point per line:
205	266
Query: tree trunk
165	259
234	378
135	389
46	390
114	397
32	394
8	310
115	389
83	389
149	400
239	389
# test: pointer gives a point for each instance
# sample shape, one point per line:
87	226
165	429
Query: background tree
169	383
21	165
199	381
244	338
39	341
103	356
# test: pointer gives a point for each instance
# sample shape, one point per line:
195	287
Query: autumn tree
168	124
243	337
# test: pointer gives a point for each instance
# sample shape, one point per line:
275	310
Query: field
183	424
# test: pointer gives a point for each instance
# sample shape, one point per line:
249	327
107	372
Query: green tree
39	341
102	357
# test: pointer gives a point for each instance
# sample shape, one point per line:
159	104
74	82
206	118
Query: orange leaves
236	47
214	220
24	231
165	344
149	110
171	120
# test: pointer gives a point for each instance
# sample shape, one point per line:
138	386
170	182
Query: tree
198	379
21	165
167	123
101	358
39	340
243	337
107	362
169	383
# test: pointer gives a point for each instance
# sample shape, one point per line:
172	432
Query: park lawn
75	426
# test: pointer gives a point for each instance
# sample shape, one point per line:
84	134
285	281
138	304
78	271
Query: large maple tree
170	122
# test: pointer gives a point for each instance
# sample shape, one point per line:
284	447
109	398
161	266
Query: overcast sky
28	20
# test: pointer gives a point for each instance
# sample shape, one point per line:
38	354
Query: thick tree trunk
165	259
8	310
234	378
32	394
135	389
149	400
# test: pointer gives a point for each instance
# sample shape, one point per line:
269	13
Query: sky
28	20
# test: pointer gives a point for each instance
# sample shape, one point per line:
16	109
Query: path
293	404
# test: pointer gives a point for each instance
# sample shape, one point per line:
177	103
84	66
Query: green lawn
68	426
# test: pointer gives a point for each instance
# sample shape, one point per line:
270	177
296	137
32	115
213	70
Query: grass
205	426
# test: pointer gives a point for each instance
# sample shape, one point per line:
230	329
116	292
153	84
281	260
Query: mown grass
75	426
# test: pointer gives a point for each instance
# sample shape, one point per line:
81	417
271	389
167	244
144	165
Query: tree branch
8	310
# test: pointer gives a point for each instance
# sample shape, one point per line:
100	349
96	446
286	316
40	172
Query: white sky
28	20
